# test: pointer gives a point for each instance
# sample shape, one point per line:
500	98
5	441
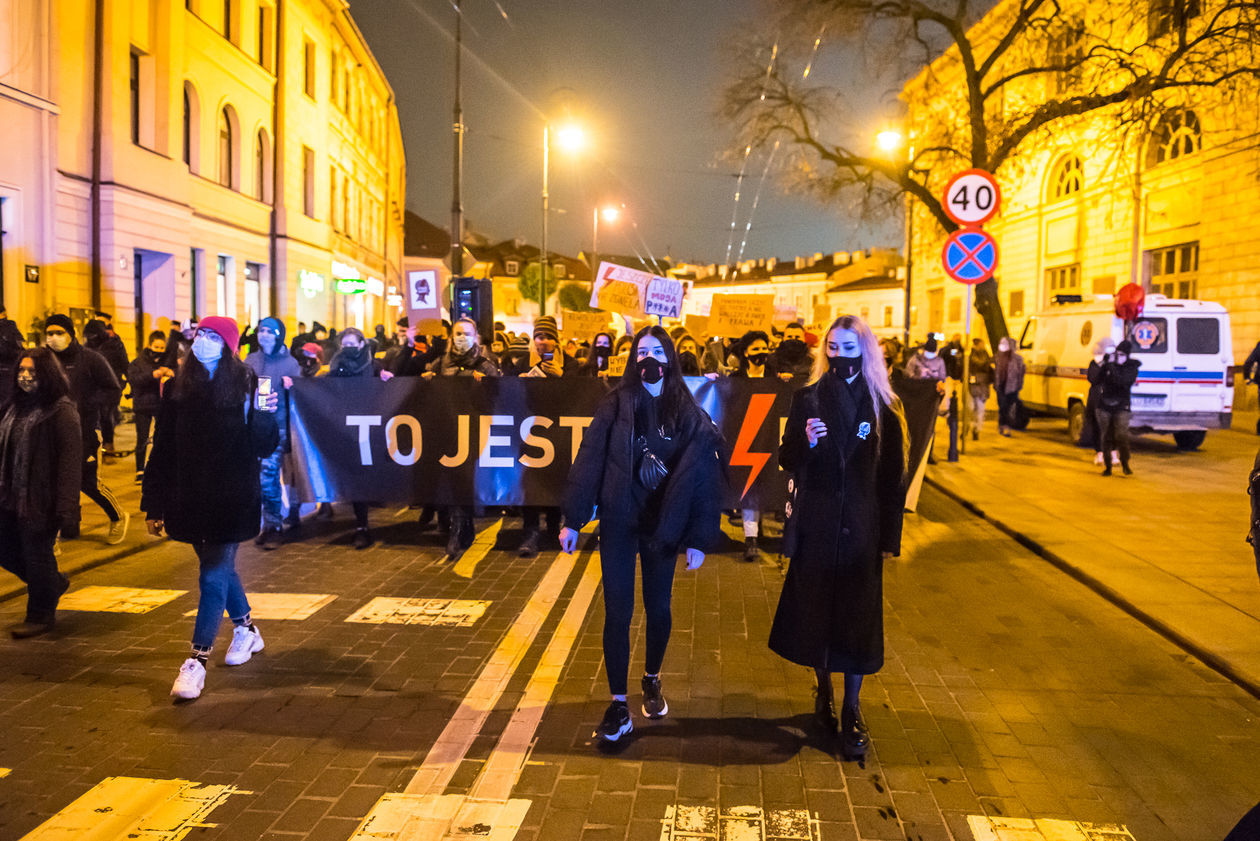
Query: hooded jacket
146	391
277	365
93	387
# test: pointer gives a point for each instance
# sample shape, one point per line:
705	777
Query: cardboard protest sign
424	302
635	293
664	297
582	325
784	315
617	364
735	315
697	326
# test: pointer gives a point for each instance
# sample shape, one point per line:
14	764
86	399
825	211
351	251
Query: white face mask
1004	346
59	342
930	354
462	343
207	350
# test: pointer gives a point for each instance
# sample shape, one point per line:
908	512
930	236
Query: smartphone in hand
264	391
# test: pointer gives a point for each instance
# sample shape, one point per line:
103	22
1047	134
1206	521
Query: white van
1184	385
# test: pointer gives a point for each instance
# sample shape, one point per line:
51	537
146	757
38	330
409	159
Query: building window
512	267
1067	178
187	130
262	166
221	286
1174	271
1064	280
332	199
192	128
308	67
266	37
227	19
888	316
308	181
955	309
1016	307
1176	136
227	163
334	68
1164	16
1065	54
345	205
559	270
135	97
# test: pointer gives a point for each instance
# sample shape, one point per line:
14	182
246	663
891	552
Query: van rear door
1197	369
1151	347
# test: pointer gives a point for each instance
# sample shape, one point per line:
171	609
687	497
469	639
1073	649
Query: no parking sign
970	255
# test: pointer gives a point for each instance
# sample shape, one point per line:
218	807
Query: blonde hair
874	371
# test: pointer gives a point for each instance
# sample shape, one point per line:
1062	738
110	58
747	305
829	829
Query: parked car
1184	386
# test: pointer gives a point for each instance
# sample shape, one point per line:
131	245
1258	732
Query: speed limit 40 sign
972	197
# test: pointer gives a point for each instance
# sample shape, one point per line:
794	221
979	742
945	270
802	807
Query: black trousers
1113	431
144	423
532	516
28	554
617	560
95	491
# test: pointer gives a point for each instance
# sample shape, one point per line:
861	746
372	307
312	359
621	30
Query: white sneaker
190	680
245	644
1098	458
1115	456
118	530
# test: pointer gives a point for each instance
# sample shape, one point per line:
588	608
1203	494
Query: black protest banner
508	441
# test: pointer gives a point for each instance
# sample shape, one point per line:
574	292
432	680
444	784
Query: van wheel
1189	439
1076	423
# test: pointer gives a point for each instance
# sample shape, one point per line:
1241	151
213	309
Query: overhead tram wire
743	167
756	201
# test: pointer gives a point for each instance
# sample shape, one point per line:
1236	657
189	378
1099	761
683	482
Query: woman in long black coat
643	511
201	485
844	443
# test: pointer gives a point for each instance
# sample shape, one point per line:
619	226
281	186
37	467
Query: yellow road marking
450	613
437	817
481	547
457	737
117	599
502	770
4	772
984	828
134	807
284	605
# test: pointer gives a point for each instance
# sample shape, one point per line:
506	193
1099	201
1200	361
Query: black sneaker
654	703
616	722
529	546
272	539
362	539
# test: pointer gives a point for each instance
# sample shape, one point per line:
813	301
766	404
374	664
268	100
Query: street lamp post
571	139
610	214
890	141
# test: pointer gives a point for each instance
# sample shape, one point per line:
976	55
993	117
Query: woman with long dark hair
650	462
845	444
41	449
201	485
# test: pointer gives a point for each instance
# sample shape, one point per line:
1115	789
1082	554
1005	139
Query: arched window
226	163
1176	136
262	166
1066	179
192	128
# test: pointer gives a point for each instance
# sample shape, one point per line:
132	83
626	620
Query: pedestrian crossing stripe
135	807
447	613
984	828
4	772
441	817
477	552
100	599
278	606
738	823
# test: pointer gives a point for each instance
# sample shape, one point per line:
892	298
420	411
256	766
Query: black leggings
144	423
617	555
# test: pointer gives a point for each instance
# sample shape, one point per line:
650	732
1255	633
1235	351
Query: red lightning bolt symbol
758	407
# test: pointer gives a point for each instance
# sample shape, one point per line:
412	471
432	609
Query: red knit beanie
225	328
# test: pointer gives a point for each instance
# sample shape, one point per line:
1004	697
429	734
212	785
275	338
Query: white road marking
450	613
1021	829
738	823
503	768
276	606
134	807
481	547
101	599
451	817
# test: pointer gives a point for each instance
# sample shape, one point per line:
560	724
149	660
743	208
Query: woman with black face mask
596	362
753	352
41	447
689	356
845	444
650	462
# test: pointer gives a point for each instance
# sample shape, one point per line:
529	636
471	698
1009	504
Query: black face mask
793	348
603	352
688	360
309	366
757	359
650	370
845	366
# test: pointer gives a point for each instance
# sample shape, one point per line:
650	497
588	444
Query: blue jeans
272	494
220	588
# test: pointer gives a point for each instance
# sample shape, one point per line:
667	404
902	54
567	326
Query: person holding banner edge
845	443
650	462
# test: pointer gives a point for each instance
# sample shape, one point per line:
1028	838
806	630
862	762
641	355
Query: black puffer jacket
49	497
202	475
604	473
93	387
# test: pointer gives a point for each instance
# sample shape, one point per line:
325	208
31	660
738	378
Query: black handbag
652	471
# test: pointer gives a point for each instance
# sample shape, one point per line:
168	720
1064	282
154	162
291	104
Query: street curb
83	566
1208	658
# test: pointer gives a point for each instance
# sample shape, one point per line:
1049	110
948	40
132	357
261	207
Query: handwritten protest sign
632	292
735	315
784	315
424	302
582	325
617	364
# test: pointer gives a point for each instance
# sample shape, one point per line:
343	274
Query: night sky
643	77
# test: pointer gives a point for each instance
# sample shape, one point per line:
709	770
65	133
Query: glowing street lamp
571	139
609	213
891	141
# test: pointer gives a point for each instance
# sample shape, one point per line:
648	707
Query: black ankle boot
750	550
853	733
825	712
